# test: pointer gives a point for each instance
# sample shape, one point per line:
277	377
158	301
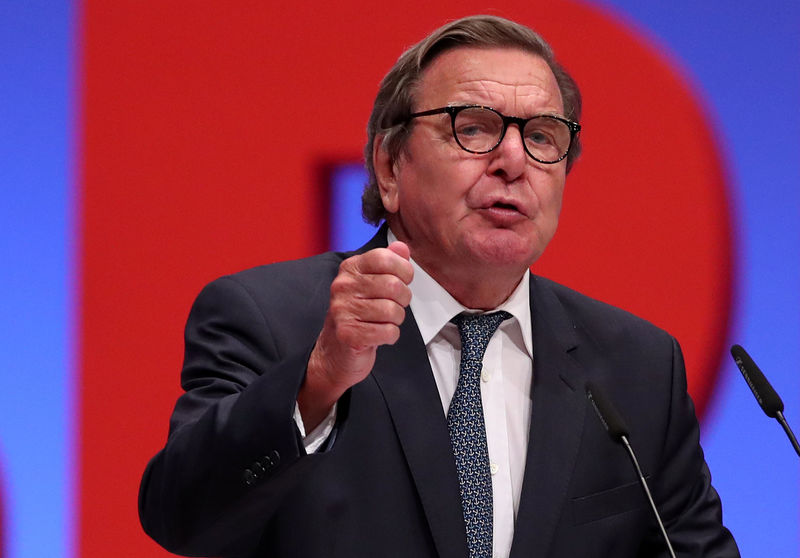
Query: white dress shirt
505	387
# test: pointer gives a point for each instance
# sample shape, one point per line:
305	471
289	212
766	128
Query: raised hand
367	306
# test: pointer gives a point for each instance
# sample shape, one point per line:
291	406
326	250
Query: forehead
511	80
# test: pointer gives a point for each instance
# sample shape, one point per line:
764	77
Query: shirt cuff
314	439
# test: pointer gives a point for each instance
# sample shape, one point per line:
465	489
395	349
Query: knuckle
402	292
400	315
392	335
341	284
383	258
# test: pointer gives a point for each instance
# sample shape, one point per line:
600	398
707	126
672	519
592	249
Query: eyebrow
545	113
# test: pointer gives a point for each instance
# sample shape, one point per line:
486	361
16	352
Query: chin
507	251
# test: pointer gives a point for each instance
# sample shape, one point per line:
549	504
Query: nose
509	158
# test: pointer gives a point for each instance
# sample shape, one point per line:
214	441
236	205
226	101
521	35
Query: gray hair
395	98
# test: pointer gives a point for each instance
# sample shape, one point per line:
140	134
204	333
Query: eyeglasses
478	129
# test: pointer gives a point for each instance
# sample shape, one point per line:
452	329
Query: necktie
468	433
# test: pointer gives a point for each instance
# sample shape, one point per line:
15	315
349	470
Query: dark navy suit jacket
234	480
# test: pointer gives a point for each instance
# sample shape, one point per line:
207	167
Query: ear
385	173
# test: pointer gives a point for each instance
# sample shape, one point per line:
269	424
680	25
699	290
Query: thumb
401	249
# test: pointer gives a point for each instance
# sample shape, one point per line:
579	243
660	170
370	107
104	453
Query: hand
368	300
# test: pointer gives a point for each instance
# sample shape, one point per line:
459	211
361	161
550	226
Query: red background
203	129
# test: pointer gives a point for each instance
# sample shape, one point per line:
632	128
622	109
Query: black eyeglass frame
453	111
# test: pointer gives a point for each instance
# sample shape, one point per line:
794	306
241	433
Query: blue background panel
36	248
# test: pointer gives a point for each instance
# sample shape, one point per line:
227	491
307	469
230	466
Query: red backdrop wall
204	125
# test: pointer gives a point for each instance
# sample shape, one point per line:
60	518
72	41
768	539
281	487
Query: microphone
767	397
618	431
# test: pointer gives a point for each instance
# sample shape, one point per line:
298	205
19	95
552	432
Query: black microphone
767	397
615	425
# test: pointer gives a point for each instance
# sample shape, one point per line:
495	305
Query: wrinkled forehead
507	78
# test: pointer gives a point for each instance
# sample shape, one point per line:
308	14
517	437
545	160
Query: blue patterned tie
468	433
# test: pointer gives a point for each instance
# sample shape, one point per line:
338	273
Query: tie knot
476	330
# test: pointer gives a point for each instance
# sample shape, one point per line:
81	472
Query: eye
477	129
539	136
474	128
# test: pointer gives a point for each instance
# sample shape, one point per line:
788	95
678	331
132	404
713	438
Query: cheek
448	189
438	180
556	200
551	193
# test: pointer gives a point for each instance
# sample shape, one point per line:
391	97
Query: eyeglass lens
479	130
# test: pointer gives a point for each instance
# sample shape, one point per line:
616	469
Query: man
425	395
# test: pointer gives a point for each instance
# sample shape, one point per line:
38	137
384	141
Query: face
461	212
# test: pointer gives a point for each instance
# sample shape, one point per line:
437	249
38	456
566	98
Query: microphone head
611	419
766	396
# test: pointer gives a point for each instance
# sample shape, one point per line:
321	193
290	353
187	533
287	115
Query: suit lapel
404	376
556	423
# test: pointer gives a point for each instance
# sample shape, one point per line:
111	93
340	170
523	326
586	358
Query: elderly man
425	395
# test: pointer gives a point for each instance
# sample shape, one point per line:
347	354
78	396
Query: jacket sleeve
233	450
689	505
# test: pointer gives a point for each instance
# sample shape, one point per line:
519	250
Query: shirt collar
433	307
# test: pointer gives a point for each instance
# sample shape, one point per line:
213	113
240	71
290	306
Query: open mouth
502	205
